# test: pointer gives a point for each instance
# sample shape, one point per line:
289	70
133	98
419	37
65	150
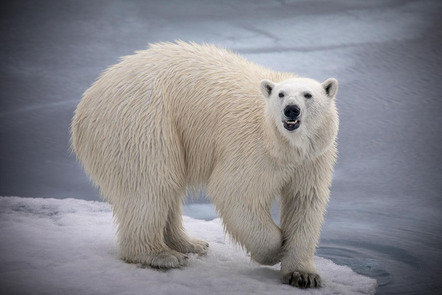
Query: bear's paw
164	260
302	280
197	247
188	245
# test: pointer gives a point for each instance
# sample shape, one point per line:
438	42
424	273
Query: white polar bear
183	116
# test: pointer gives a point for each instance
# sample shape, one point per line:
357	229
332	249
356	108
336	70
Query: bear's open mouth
291	125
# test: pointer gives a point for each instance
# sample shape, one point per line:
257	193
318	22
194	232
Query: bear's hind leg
141	225
175	235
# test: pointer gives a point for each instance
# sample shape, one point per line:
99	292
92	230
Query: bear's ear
330	87
267	87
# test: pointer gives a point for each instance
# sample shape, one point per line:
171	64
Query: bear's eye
281	94
307	95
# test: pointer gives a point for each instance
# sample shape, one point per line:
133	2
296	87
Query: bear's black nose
292	111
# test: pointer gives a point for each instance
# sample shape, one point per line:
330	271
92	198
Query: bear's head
303	111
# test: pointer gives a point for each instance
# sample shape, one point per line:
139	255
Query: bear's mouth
291	125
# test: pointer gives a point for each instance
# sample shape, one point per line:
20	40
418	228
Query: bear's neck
279	148
295	152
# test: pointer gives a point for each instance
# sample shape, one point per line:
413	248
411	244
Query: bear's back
166	74
172	100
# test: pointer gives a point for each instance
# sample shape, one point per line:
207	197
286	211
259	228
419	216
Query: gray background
384	218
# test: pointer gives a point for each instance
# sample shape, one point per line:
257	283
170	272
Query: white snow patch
68	246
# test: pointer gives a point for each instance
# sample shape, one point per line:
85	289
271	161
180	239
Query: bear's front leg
252	227
244	207
302	214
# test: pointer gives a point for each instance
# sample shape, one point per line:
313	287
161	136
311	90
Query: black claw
291	280
300	282
305	280
296	279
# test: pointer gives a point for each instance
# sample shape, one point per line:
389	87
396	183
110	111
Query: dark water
384	217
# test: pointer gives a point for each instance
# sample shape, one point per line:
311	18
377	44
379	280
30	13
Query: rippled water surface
384	217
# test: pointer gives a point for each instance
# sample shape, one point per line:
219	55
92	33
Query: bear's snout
292	112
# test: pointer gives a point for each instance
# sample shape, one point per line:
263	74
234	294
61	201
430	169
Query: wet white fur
183	116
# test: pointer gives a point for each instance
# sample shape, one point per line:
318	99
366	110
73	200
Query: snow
52	246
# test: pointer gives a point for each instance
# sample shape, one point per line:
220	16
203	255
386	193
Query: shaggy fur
184	116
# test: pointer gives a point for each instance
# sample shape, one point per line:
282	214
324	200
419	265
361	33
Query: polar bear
182	116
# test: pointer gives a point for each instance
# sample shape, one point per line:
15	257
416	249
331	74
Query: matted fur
184	116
